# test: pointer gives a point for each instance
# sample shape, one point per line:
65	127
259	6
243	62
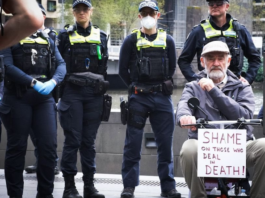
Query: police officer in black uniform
84	49
221	26
33	68
33	168
147	63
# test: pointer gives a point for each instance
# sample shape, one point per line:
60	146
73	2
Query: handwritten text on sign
222	153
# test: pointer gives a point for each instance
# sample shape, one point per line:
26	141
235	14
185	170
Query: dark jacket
235	100
194	44
129	45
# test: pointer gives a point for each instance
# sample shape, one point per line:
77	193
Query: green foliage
66	14
104	12
117	13
242	11
259	77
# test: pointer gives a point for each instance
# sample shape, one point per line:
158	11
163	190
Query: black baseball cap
86	2
42	9
217	0
150	4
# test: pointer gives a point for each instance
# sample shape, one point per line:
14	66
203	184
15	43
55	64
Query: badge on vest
34	56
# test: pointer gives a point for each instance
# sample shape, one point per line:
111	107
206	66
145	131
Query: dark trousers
163	123
34	142
19	116
80	116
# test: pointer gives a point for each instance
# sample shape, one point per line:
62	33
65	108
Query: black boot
70	190
171	194
89	189
127	193
43	196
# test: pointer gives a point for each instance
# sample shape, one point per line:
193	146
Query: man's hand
243	80
184	120
206	84
27	18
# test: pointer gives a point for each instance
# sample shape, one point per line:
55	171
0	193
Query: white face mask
148	22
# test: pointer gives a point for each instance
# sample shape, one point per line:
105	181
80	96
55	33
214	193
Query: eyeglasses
145	14
79	10
217	3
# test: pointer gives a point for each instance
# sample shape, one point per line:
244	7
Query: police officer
221	26
84	49
33	168
147	63
33	68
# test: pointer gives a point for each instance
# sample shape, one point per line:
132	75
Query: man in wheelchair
222	97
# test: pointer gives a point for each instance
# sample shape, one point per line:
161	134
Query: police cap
42	9
150	4
86	2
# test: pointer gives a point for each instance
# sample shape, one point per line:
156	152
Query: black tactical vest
149	63
231	38
34	57
85	53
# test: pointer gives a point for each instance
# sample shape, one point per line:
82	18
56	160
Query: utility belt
100	86
166	88
18	89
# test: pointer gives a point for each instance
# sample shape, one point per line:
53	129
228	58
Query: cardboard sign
222	153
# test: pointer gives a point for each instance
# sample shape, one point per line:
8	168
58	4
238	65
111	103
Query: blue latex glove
47	87
38	86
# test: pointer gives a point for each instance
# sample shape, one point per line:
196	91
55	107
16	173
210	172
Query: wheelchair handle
202	121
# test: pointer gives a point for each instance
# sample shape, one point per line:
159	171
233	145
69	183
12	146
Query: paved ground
110	185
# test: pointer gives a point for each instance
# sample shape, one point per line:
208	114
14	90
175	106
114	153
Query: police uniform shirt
129	45
194	44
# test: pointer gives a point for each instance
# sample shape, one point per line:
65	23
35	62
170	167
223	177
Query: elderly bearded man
223	97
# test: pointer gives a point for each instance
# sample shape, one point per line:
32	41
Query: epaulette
71	29
95	26
102	32
161	29
50	29
66	26
236	25
47	30
135	30
53	30
203	21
